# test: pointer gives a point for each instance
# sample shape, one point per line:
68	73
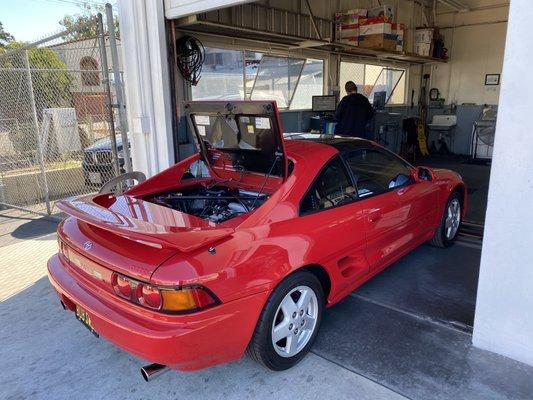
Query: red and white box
349	31
347	24
375	26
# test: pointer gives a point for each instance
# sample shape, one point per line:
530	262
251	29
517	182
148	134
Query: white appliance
442	128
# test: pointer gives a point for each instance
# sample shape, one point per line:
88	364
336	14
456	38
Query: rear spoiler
182	238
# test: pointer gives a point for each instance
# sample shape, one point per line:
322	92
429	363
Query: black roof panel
341	143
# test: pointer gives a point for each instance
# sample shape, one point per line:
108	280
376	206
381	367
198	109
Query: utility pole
105	73
118	87
37	136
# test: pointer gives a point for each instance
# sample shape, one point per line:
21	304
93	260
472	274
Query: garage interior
409	328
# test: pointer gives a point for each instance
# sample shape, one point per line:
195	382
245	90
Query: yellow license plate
85	319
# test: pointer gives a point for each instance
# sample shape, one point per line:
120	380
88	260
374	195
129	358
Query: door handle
375	216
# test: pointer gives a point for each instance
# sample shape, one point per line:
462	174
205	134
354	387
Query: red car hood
144	222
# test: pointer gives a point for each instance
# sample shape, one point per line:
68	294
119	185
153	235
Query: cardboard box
379	42
375	29
384	10
348	31
350	17
354	41
399	31
374	20
425	35
424	49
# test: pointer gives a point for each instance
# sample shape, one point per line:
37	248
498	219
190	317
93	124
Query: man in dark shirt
353	113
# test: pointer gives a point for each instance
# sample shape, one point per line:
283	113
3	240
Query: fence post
105	73
118	86
37	136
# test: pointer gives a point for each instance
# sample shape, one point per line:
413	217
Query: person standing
353	113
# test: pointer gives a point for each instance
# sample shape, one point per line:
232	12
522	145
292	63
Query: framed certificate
492	79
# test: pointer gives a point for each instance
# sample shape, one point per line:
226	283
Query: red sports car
241	246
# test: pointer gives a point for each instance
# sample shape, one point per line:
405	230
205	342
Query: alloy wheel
295	321
453	219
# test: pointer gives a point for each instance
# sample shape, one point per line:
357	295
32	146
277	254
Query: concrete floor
48	354
400	336
409	329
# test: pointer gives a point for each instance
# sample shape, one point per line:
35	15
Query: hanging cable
190	56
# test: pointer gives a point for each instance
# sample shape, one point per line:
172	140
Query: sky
29	20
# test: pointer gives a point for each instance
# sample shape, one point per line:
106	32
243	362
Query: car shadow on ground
34	228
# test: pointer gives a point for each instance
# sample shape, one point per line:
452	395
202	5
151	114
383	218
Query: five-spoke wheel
447	231
294	321
452	219
289	322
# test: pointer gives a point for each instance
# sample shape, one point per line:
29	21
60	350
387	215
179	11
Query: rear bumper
185	342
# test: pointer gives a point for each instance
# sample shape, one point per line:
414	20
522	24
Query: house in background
84	64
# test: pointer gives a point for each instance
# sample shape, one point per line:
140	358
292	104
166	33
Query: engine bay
216	203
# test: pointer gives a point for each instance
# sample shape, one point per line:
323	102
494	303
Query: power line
79	3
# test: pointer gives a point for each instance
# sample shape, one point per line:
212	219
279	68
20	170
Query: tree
50	79
5	37
51	88
85	24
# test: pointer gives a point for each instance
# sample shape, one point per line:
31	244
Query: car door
392	203
330	211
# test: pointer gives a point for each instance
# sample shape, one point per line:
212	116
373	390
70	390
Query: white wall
476	43
147	84
504	310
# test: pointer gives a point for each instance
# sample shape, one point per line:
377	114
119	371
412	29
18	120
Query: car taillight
122	286
187	299
63	249
149	296
170	300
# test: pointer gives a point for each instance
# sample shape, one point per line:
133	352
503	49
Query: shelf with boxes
375	33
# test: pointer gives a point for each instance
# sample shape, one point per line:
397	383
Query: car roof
340	143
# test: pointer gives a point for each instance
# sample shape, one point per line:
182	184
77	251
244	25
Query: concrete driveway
404	332
47	354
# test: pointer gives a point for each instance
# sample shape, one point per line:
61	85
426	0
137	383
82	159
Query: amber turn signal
186	299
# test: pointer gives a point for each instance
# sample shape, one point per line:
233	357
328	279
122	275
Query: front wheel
447	231
289	322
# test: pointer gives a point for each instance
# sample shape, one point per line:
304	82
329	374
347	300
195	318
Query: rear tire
446	233
289	322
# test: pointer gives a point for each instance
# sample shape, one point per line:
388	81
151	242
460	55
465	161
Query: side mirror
424	174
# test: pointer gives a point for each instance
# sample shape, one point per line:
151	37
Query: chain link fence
57	122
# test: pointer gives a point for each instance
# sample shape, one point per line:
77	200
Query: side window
377	171
331	188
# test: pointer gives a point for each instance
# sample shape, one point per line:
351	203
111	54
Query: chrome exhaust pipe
149	372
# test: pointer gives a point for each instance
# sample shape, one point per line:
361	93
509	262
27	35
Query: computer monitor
380	99
324	103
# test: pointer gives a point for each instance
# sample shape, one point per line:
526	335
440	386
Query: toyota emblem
88	245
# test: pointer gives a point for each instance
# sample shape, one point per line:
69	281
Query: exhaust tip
145	375
149	372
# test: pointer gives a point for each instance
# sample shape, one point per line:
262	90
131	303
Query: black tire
261	347
440	239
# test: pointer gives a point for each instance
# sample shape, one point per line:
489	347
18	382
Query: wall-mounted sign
492	79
